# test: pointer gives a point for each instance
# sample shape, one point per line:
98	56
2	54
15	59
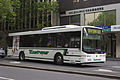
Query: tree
20	15
44	9
7	11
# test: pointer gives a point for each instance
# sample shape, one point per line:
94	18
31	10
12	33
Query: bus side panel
41	53
9	52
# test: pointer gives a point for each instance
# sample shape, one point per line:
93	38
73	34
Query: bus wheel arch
58	58
21	56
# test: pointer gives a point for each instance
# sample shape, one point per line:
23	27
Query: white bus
60	44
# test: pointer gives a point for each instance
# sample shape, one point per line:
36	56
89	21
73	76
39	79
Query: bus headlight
102	55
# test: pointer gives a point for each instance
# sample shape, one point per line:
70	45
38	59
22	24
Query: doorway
113	46
110	45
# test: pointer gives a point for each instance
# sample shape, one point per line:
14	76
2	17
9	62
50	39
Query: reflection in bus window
63	40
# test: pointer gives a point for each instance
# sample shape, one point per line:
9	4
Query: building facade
95	13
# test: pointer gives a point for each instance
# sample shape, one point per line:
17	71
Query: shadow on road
65	64
28	61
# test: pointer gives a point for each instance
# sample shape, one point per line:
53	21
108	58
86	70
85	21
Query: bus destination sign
94	31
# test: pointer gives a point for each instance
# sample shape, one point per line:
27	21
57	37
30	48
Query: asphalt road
12	73
110	67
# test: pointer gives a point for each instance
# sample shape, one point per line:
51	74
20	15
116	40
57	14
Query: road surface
14	73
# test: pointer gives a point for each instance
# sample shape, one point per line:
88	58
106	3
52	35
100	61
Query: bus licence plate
97	59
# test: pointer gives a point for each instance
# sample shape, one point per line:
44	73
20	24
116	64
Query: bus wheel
2	56
58	59
21	56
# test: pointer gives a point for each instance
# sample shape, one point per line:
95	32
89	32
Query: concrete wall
66	5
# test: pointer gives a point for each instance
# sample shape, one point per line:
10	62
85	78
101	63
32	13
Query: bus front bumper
84	60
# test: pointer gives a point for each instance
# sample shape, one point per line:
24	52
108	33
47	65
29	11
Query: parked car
2	53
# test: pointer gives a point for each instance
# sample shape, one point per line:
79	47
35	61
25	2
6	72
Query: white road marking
104	70
15	62
4	78
116	66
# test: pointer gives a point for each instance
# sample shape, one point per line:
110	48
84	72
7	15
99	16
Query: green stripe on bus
64	52
38	52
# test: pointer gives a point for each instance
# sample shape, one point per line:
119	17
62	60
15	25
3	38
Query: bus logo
38	52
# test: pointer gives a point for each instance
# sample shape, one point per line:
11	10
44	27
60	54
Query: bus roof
54	29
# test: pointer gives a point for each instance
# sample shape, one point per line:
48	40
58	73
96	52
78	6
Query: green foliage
23	14
16	4
2	44
7	8
104	19
47	6
54	6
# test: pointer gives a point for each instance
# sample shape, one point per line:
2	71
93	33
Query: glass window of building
75	20
75	0
97	14
105	18
85	0
89	18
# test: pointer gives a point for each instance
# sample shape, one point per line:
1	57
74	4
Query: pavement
113	59
64	69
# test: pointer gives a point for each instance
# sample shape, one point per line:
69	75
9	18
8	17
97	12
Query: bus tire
58	59
21	56
2	56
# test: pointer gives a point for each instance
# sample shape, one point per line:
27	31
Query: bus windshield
92	41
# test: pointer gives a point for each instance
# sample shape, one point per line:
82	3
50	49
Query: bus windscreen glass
92	41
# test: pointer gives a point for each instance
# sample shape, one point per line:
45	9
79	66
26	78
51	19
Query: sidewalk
113	59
